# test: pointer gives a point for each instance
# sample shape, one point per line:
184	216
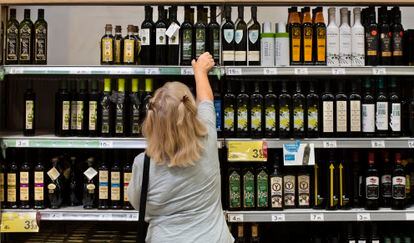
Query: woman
184	192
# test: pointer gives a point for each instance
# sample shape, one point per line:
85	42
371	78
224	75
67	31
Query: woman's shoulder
139	160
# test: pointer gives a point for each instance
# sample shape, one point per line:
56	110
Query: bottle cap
267	27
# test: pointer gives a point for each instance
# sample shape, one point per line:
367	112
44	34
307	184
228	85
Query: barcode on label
278	217
378	144
234	71
329	144
317	217
236	218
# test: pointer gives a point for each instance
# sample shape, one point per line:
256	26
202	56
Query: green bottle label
248	190
262	189
234	190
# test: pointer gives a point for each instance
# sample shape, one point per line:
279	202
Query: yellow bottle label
11	187
129	51
29	114
117	51
38	186
93	114
79	115
24	186
127	179
65	115
296	39
107	50
115	186
321	45
307	44
103	184
1	187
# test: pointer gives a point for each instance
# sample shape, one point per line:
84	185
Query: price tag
19	222
379	71
172	29
278	217
301	71
378	144
409	216
123	71
236	218
411	144
317	217
22	143
338	71
247	151
106	144
152	71
234	71
80	71
363	217
329	144
16	70
106	217
187	71
270	71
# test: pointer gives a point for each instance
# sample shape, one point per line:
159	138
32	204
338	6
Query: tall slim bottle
129	44
358	40
26	39
119	46
103	182
276	187
345	41
146	96
397	38
174	40
25	192
107	46
62	110
234	188
126	175
262	188
54	187
253	53
39	181
107	110
270	112
116	182
81	111
240	39
327	114
93	110
332	39
12	39
285	107
319	33
371	39
355	115
3	179
161	38
295	37
256	112
40	38
385	51
229	112
29	125
332	171
147	34
200	33
386	180
12	180
213	35
89	185
227	37
134	126
242	117
218	105
371	184
186	37
312	113
394	110
120	111
368	110
74	187
298	112
249	189
341	111
307	37
399	183
381	110
74	88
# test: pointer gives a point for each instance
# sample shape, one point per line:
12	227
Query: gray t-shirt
184	204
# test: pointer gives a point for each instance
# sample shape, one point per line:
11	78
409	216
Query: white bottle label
358	46
174	39
368	118
281	51
144	34
382	116
372	187
253	36
345	46
228	56
228	35
161	38
341	116
239	36
267	52
327	108
355	115
395	119
332	47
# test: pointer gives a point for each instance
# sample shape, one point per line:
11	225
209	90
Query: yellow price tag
247	151
19	222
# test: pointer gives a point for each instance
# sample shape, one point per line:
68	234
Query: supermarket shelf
51	141
78	213
100	70
318	70
402	142
311	215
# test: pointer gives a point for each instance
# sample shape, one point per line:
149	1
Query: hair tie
185	99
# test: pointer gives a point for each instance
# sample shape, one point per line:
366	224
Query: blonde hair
172	127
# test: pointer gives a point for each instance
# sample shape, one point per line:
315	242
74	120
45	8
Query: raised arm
201	68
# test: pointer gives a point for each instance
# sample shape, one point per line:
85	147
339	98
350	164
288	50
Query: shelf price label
278	217
16	70
19	222
106	144
378	144
329	144
187	71
152	71
236	218
411	144
363	217
247	151
22	143
301	71
409	216
80	71
338	71
270	71
317	217
234	71
379	71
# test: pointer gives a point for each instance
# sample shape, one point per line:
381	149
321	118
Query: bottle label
51	188
238	36
313	118
289	186
144	34
127	179
355	115
174	39
73	115
93	115
398	187
253	36
90	173
228	35
386	186
327	107
129	51
397	45
368	118
382	116
24	186
65	115
358	46
79	115
53	173
386	44
345	47
117	51
115	186
38	186
276	184
11	187
240	56
262	189
242	115
136	126
321	44
160	36
187	44
90	188
372	187
253	56
298	118
229	119
270	118
103	184
119	120
29	114
234	190
228	56
307	44
256	118
216	45
296	44
105	114
332	49
371	37
341	116
217	108
200	42
107	50
25	43
304	190
40	47
11	43
248	190
2	187
284	118
395	118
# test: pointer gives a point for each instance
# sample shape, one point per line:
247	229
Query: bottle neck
241	13
307	17
319	18
254	14
199	15
332	18
270	87
26	15
357	18
284	87
148	85
107	85
344	18
256	88
213	14
311	88
148	14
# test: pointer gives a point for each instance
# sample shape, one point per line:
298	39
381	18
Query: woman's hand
204	63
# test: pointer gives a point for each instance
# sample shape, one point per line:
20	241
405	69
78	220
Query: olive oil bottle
234	190
200	33
319	34
295	37
174	39
298	112
227	37
307	37
270	112
39	181
240	39
129	47
12	180
147	34
118	45
126	175
285	105
55	185
81	111
62	110
229	112
242	117
134	126
26	39
103	182
25	192
107	46
40	38
186	37
213	35
116	182
12	39
89	186
161	37
93	111
106	107
29	125
256	112
120	114
146	96
253	53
